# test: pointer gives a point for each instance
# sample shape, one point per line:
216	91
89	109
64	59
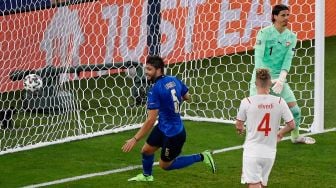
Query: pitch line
129	168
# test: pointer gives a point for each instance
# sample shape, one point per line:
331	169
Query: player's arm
278	83
184	92
241	117
153	105
240	126
186	97
259	48
146	127
286	129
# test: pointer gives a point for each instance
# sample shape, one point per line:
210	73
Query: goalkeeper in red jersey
274	50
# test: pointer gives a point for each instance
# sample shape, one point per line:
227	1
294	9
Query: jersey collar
158	78
275	29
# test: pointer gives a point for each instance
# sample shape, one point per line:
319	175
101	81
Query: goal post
91	55
318	123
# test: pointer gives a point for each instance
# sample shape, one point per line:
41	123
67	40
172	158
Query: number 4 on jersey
264	125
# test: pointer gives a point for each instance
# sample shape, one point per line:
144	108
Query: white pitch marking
75	178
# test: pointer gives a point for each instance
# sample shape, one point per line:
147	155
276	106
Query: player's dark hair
157	62
264	77
277	9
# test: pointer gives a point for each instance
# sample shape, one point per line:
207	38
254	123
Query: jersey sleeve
286	113
242	110
289	54
153	101
259	48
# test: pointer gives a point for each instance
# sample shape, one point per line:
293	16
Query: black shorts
171	147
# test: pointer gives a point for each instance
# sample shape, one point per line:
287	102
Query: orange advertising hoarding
110	31
330	14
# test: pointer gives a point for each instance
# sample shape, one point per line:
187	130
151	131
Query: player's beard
285	23
152	77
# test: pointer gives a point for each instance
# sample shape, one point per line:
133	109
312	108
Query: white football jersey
262	114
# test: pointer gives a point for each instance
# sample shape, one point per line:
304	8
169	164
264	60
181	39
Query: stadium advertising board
114	31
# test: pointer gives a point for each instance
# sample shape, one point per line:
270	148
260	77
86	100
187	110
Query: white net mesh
85	50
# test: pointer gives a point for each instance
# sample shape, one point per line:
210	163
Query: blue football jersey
166	96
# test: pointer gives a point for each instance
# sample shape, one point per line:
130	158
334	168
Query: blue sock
147	164
184	161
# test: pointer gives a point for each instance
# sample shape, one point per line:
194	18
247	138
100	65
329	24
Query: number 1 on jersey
264	125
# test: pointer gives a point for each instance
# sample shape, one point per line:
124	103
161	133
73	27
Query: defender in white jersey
262	113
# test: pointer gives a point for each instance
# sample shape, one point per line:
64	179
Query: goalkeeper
274	50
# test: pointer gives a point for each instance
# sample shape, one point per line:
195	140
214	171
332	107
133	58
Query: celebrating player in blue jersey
164	100
274	50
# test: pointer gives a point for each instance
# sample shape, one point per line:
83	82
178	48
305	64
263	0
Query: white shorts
256	169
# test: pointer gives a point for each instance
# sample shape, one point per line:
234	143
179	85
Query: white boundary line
75	178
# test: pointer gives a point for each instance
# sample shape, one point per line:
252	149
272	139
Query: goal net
90	56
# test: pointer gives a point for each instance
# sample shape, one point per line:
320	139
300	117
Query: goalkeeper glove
279	83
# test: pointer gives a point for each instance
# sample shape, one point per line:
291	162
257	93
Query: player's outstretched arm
146	127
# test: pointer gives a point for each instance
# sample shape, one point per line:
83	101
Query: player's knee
164	165
148	149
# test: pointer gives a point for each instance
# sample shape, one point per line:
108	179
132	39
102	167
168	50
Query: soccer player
262	114
164	100
274	49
